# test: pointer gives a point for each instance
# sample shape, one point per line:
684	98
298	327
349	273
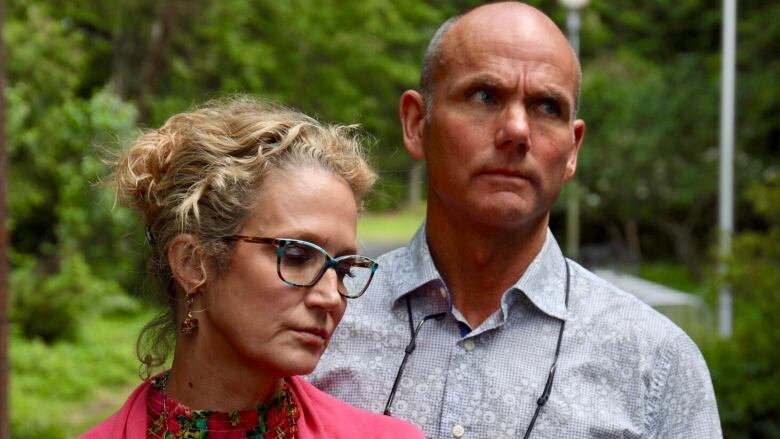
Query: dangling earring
190	324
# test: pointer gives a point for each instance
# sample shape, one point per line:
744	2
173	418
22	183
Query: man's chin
510	216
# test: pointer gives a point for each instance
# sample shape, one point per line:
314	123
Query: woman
251	210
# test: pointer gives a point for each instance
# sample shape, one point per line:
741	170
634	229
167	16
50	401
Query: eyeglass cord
551	376
439	316
409	349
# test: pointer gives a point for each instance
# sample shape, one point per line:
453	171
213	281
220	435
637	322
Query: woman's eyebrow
321	241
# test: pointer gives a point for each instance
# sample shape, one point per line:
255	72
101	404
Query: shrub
746	368
49	307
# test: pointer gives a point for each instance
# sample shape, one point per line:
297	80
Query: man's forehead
509	16
508	29
481	42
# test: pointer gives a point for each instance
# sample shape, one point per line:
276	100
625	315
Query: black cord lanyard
439	316
551	376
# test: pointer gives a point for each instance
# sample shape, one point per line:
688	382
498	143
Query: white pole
573	29
726	199
573	199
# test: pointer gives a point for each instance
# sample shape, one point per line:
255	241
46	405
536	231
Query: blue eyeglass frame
330	262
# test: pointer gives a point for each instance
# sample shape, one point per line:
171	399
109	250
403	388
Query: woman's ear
185	258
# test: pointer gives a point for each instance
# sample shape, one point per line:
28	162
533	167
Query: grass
61	390
390	227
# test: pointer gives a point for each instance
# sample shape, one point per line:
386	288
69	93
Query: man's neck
480	263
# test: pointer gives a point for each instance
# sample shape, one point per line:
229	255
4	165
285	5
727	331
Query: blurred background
82	76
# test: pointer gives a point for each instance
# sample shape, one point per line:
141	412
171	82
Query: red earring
190	324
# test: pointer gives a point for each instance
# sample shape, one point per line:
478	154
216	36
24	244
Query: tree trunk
618	242
414	185
684	246
625	239
5	294
633	245
155	55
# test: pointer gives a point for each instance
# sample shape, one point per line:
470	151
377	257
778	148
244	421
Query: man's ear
578	134
411	111
185	258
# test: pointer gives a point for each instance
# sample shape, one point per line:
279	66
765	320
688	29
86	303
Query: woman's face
254	318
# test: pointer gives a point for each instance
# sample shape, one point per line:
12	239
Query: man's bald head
439	48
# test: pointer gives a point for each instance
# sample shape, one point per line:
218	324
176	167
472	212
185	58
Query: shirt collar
544	281
416	266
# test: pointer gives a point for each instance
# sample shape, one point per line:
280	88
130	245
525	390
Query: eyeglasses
302	264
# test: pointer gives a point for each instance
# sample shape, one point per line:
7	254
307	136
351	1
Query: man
495	121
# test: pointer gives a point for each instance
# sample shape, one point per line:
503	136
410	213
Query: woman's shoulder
129	421
322	413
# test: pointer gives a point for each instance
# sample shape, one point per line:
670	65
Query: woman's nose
325	293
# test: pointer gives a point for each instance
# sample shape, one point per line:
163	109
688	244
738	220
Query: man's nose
514	127
325	294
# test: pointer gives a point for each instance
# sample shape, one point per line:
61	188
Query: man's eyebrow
488	81
553	93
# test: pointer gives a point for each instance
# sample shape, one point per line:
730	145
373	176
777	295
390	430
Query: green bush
27	430
63	389
49	306
746	368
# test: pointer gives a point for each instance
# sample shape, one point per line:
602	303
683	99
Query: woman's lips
313	336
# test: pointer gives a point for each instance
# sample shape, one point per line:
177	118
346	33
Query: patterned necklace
169	419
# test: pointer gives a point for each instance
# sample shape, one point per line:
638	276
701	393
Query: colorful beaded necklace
169	419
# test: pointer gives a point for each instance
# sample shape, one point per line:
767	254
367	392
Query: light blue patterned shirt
625	371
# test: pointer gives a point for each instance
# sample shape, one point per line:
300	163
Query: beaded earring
190	324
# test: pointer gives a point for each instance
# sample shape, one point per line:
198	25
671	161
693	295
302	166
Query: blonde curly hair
199	173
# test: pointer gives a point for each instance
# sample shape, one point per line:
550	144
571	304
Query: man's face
500	139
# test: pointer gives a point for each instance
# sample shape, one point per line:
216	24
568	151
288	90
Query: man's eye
550	107
483	97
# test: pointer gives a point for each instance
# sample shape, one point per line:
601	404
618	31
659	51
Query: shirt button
469	345
458	430
443	293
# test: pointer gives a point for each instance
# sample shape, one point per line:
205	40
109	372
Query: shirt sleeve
681	402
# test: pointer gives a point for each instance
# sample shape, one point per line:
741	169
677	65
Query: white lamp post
573	199
726	198
573	21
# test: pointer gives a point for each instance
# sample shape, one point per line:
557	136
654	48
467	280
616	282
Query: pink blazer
322	416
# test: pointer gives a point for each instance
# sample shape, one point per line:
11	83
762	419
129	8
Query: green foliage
56	389
54	139
50	307
651	101
746	368
655	122
346	61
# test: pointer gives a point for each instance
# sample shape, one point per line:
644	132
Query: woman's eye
296	255
344	270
